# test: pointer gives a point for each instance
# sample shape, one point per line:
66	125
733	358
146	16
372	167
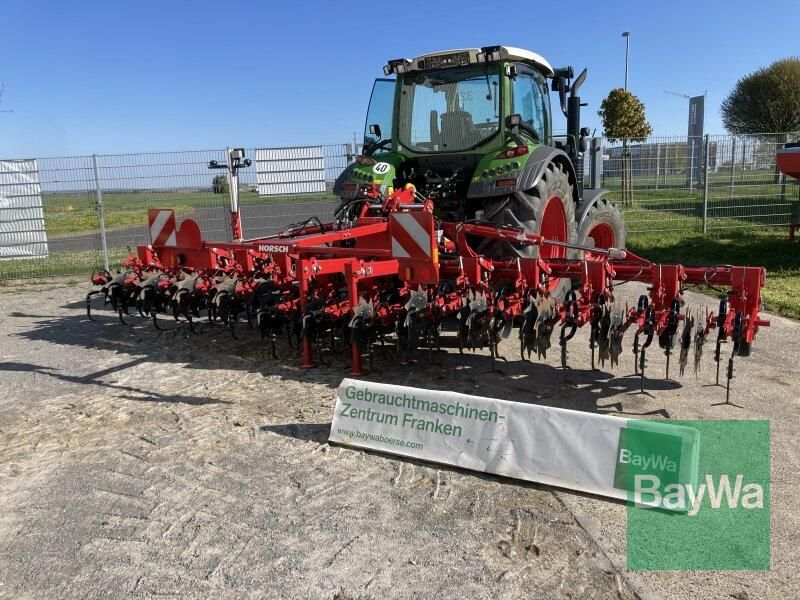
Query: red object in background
788	161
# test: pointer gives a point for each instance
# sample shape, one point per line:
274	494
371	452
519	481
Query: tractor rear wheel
547	209
602	227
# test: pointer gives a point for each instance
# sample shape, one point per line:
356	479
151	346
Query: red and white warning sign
162	227
412	235
414	246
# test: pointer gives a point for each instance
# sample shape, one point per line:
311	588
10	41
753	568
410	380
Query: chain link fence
661	184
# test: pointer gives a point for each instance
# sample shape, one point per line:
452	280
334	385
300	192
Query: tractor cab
459	125
458	101
472	131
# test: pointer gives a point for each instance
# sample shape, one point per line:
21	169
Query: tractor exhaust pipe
574	137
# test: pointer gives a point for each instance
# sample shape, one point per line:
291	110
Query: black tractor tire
548	209
602	227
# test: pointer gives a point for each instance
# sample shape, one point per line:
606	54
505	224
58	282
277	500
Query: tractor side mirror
375	130
514	120
583	144
560	85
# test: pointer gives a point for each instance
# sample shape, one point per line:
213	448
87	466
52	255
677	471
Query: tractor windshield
449	110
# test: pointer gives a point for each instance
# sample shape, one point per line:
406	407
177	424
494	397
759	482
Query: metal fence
671	183
697	184
75	189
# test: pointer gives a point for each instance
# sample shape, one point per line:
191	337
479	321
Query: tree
624	119
766	101
219	185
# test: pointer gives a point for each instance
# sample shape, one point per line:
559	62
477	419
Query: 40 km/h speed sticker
381	168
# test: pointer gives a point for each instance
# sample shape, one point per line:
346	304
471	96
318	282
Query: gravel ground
137	463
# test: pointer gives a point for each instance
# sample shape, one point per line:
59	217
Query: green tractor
471	129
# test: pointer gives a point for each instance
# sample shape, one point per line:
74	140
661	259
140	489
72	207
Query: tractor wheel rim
600	235
554	227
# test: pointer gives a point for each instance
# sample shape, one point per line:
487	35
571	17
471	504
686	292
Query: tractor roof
465	56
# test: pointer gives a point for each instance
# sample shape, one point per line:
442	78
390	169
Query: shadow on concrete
213	347
95	379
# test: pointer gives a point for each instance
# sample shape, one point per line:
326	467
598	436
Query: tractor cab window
531	100
448	110
381	108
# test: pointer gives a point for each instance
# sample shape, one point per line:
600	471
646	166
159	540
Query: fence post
733	165
100	214
705	184
658	161
233	193
691	163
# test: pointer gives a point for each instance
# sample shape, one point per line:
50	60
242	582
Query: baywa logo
649	493
698	494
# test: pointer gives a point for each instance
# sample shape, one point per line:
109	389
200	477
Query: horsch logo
272	248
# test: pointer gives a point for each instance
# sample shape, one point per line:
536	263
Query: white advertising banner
589	452
22	232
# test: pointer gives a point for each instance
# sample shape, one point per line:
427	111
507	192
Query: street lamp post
627	36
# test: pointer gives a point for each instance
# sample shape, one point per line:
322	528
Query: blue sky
110	77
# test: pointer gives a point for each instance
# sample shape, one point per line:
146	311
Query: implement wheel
547	209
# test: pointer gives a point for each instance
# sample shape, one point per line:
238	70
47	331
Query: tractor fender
344	177
590	198
529	175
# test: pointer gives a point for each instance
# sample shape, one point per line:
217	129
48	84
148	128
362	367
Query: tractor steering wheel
373	147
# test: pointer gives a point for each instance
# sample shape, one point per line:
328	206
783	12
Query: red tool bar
338	251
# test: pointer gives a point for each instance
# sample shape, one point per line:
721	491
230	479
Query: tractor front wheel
602	227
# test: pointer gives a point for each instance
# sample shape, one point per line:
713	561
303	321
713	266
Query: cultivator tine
122	312
568	328
190	320
477	321
308	329
361	324
543	329
666	338
409	329
699	339
721	316
604	336
648	331
527	333
89	303
594	326
496	328
686	340
615	334
641	309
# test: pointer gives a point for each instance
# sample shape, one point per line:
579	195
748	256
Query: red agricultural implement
400	273
471	213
